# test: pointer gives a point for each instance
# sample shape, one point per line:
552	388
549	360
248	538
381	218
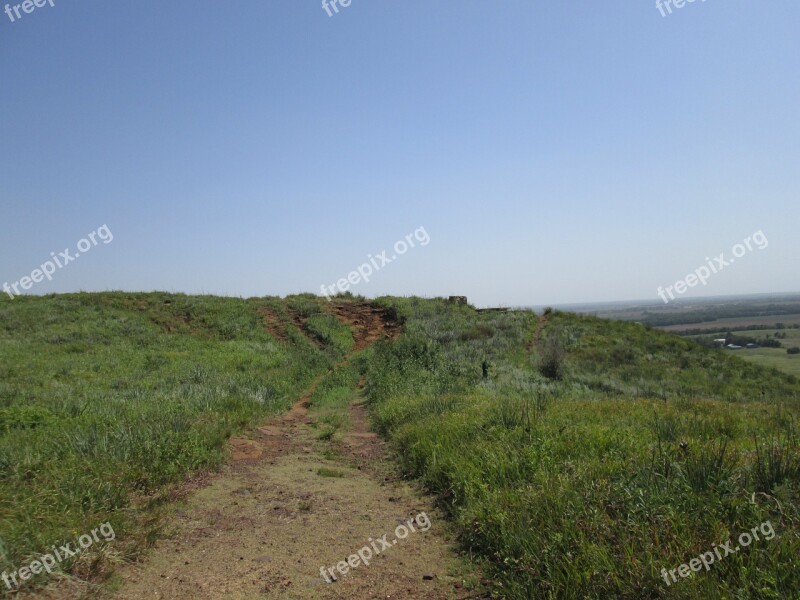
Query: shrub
793	350
551	357
623	354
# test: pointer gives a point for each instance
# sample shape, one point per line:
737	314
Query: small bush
551	357
709	466
793	350
623	354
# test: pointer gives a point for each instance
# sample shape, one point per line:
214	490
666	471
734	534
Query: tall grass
640	457
105	399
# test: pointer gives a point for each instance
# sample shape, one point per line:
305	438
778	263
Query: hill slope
578	457
107	399
648	451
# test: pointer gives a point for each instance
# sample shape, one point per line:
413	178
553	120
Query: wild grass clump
328	472
329	331
777	461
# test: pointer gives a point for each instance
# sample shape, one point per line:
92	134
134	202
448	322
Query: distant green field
776	358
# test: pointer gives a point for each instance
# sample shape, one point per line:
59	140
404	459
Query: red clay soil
368	322
272	323
276	326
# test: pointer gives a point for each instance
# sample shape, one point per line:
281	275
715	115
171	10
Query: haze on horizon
553	154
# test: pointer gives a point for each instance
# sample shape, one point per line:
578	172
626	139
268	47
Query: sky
549	152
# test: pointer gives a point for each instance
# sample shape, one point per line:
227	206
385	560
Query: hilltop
571	456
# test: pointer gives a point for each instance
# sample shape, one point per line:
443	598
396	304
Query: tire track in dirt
276	326
264	525
272	323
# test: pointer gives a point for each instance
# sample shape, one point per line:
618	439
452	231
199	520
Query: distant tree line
658	319
700	331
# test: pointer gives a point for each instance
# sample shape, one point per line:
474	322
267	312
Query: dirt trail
283	507
540	325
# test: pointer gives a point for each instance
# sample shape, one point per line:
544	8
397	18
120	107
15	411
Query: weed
326	472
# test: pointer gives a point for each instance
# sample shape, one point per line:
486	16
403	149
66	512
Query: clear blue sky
553	151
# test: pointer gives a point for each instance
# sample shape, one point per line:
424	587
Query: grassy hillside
106	398
576	456
646	452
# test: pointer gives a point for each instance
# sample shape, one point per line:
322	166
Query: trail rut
284	506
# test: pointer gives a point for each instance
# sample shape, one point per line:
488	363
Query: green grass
326	472
775	358
107	399
647	452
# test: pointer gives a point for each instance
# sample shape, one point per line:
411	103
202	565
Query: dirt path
540	325
285	506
